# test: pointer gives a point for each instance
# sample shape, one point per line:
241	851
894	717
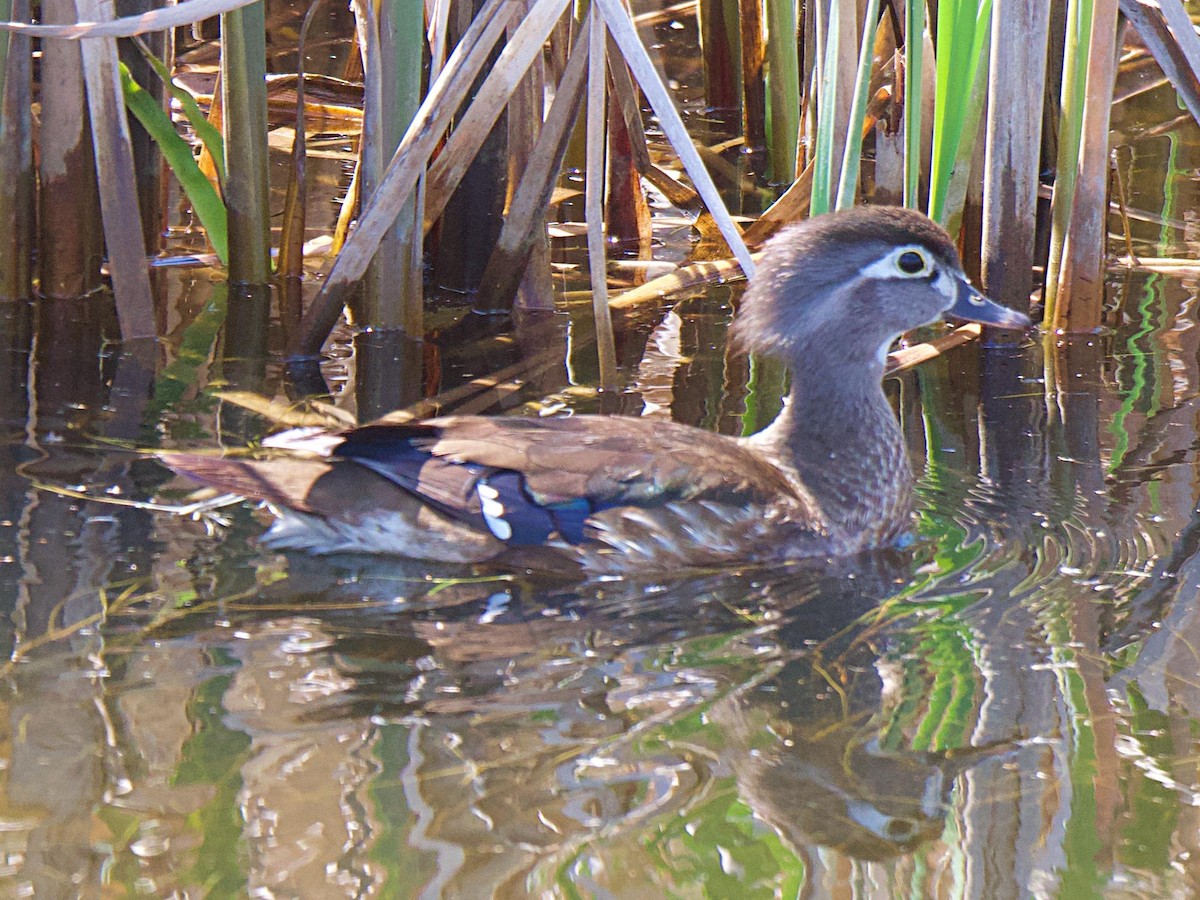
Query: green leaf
210	135
209	207
824	175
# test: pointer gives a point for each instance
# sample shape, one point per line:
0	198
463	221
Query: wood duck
829	477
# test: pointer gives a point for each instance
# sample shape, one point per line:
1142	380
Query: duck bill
973	306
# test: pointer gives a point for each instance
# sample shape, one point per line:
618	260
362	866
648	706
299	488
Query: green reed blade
210	209
824	175
914	61
783	83
963	31
851	159
209	134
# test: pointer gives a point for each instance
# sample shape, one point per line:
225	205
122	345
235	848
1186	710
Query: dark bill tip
973	306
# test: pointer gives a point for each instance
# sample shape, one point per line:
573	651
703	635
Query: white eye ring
911	263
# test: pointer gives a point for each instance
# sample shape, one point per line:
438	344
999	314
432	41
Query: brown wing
523	481
610	460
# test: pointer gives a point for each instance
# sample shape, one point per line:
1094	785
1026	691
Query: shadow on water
1009	707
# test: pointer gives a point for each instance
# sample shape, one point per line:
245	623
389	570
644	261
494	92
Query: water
1009	707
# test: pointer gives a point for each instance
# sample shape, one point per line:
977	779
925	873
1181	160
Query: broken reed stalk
406	167
1020	31
244	99
1176	49
526	217
617	19
472	128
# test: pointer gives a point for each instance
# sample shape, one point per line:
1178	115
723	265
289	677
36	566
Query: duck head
845	285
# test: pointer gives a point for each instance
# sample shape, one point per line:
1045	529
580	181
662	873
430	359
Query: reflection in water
1007	709
806	746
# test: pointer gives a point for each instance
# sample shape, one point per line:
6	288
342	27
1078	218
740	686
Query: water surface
1008	707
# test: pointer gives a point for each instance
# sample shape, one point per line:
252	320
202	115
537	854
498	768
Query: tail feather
284	483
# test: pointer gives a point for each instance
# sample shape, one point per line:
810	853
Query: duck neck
838	433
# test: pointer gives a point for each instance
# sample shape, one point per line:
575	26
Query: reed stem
244	95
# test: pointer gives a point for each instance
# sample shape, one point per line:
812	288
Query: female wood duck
619	494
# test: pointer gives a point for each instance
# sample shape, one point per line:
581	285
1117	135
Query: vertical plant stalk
594	203
629	101
527	108
393	293
852	158
16	162
149	165
1074	80
439	18
968	155
827	68
70	245
847	62
783	89
244	97
7	13
1020	30
525	222
290	274
720	52
962	38
370	148
1080	295
617	19
914	63
754	86
627	211
121	213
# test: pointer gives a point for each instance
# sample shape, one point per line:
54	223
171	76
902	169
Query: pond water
1011	707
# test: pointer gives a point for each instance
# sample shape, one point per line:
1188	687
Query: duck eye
910	262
